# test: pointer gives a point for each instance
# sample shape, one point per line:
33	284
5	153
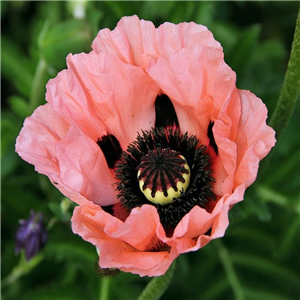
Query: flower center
166	169
163	175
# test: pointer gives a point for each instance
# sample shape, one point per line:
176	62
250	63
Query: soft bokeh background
262	242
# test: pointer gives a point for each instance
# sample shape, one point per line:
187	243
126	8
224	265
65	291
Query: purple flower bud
31	235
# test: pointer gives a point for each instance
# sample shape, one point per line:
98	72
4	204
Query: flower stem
229	270
104	289
158	285
291	86
22	268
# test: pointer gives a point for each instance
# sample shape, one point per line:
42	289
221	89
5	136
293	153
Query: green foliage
259	256
56	41
15	67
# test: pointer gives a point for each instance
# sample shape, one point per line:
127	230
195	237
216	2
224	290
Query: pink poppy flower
149	135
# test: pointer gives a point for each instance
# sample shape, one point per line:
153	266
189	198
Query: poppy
150	136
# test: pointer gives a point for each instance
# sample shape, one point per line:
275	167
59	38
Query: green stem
38	86
229	270
104	289
158	285
22	268
291	86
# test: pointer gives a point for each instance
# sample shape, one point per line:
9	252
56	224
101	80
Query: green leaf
9	131
116	7
227	35
54	291
153	11
268	195
205	12
244	45
57	41
4	8
15	66
19	106
267	267
9	161
24	267
255	294
69	250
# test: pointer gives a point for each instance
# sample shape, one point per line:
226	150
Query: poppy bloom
149	135
31	235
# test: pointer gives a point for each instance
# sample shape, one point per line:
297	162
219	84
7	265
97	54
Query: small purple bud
31	235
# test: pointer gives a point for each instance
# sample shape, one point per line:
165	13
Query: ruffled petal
140	237
254	138
191	78
38	137
139	43
171	37
133	41
120	95
69	99
197	222
37	142
131	248
191	235
83	168
122	245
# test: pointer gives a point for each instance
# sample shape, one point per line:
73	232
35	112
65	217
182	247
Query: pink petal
171	37
36	144
139	43
72	161
68	98
133	41
120	95
38	137
116	254
224	165
140	237
118	242
255	139
197	222
89	222
190	77
192	235
83	168
225	130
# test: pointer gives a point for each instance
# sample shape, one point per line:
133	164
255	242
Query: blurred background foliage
259	256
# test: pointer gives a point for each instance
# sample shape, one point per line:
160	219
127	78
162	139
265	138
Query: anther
163	175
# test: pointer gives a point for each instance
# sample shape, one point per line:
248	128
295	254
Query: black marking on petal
165	112
208	232
111	149
109	209
211	137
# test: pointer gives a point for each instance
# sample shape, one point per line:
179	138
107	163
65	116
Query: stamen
191	191
163	175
